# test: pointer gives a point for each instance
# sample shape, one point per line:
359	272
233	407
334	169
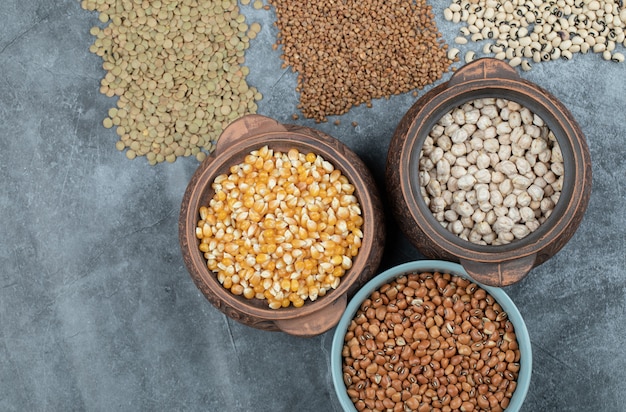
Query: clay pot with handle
250	133
494	265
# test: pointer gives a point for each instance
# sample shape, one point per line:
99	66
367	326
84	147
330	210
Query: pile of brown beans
430	341
349	52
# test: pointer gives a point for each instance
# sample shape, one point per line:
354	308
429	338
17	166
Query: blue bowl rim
523	338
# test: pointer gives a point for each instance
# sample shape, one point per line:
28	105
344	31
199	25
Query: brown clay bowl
239	139
492	265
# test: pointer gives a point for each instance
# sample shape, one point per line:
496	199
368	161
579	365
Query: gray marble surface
98	313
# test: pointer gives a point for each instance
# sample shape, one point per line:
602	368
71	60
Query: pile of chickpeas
491	171
281	227
430	341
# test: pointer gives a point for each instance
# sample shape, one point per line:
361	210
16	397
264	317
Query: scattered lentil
281	227
176	68
349	52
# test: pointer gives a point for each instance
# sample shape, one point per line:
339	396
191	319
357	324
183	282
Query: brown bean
498	366
398	330
496	379
456	402
388	403
480	294
373	329
482	402
493	401
452	390
381	312
467	407
458	306
413	403
489	328
513	367
371	369
476	335
464	339
420	333
464	350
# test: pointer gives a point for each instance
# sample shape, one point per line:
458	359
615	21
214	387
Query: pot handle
246	126
484	68
315	323
499	274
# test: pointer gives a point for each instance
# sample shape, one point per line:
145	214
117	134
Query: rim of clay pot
541	103
277	137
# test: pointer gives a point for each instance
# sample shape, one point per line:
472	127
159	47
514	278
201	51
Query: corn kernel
336	260
262	258
298	302
299	266
285	284
295	285
265	152
310	157
228	283
313	292
248	293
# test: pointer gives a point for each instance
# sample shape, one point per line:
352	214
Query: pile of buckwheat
350	52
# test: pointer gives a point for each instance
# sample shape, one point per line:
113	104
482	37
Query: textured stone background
98	313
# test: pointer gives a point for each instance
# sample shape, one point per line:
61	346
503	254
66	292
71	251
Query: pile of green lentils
177	70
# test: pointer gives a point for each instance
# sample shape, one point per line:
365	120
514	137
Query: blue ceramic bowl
498	294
